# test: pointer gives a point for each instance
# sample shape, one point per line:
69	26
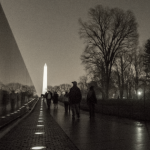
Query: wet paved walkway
60	132
103	132
37	130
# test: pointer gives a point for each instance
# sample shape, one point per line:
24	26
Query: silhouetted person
48	96
75	99
66	101
91	101
55	100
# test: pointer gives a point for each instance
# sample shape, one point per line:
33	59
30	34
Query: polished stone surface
103	132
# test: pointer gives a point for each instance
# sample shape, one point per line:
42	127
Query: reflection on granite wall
15	83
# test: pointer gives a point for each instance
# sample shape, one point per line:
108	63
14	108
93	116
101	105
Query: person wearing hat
91	101
75	99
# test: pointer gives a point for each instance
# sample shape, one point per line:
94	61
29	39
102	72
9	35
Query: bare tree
97	75
129	81
122	62
138	69
107	33
146	57
83	83
64	88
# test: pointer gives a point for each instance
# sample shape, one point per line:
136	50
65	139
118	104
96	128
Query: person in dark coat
48	96
55	100
91	101
75	99
66	101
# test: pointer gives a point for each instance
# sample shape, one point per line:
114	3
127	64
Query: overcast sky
46	31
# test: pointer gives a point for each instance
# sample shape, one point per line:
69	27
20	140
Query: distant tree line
60	89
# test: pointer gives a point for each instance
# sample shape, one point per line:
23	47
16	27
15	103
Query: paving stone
23	137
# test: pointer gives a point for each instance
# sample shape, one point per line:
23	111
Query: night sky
46	31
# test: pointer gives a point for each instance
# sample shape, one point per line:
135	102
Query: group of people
49	97
72	100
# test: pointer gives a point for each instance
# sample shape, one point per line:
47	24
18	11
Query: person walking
91	101
55	100
66	101
48	96
75	99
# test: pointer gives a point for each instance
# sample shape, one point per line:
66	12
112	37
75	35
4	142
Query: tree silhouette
146	56
122	62
107	33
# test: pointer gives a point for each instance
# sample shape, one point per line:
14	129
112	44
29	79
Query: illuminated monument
44	79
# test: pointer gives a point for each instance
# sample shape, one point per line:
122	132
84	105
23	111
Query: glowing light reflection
39	132
40	121
40	125
38	147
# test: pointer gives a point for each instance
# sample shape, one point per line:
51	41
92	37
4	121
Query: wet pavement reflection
103	132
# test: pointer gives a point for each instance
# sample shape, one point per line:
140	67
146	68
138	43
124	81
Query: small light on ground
40	121
39	132
38	147
40	125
